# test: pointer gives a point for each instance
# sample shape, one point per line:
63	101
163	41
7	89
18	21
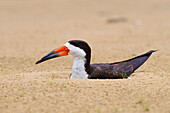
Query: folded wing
116	70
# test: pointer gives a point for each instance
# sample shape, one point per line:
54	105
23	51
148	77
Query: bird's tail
139	60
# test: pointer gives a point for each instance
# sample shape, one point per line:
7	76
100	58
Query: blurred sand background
115	29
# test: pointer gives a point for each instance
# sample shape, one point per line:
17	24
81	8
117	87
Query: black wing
116	70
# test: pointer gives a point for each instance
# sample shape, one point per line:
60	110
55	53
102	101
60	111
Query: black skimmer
82	69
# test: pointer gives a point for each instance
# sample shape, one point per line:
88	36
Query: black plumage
116	70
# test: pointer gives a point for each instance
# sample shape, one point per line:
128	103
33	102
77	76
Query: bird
82	69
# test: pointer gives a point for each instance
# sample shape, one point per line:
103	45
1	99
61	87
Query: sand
115	30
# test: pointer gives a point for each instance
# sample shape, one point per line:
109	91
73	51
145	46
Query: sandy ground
115	29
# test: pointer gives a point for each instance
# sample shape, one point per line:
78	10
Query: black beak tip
38	62
47	57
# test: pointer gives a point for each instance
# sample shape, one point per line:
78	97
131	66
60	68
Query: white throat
78	69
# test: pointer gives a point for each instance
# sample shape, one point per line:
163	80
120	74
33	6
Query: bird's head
77	48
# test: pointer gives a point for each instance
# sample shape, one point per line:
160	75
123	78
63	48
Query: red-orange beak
61	51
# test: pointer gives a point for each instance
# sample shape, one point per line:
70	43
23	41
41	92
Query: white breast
78	69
